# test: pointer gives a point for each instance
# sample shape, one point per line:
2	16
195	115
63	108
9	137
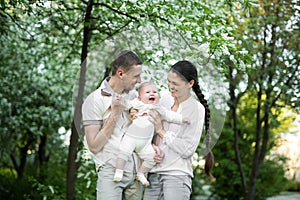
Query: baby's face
149	94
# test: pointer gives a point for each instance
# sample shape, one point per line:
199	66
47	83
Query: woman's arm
185	140
155	118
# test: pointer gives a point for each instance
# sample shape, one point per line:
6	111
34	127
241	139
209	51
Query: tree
36	85
277	77
33	115
269	34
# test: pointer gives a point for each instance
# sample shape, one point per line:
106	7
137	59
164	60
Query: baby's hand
132	113
186	121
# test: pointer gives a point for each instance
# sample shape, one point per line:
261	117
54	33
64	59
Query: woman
172	178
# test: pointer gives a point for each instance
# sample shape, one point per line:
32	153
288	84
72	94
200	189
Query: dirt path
286	196
283	196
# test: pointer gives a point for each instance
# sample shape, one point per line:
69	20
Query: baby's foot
141	177
118	175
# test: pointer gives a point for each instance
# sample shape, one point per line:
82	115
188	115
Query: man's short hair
125	60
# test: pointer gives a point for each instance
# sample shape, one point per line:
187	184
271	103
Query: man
105	123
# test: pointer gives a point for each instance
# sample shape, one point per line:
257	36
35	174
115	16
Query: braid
209	159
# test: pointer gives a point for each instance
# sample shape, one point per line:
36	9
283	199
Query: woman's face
179	88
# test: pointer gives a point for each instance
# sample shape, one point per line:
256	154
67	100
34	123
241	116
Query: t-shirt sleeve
91	111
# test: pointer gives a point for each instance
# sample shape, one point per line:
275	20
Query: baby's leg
147	155
141	175
126	149
119	169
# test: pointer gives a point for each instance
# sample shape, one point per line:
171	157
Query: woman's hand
155	118
159	154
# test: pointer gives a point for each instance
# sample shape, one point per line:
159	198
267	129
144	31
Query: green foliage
293	186
51	181
36	88
45	191
228	181
226	172
13	188
200	184
45	181
270	86
86	177
271	174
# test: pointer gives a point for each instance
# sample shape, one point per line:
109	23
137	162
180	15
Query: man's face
131	78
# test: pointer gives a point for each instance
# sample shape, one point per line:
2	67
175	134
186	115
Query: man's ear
120	73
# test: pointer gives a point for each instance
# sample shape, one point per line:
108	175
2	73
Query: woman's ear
191	83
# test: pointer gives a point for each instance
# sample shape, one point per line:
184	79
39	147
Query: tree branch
116	11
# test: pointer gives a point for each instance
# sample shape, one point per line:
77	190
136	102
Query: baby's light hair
144	84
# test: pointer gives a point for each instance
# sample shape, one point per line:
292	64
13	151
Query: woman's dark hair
187	71
125	60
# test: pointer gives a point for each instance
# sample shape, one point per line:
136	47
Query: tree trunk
233	105
23	158
255	165
71	163
73	148
42	157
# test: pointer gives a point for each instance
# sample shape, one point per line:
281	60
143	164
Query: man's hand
117	105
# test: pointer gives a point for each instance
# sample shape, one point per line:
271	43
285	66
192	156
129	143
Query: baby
138	136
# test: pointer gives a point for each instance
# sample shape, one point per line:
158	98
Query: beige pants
168	187
127	189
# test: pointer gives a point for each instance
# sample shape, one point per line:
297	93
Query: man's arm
98	135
